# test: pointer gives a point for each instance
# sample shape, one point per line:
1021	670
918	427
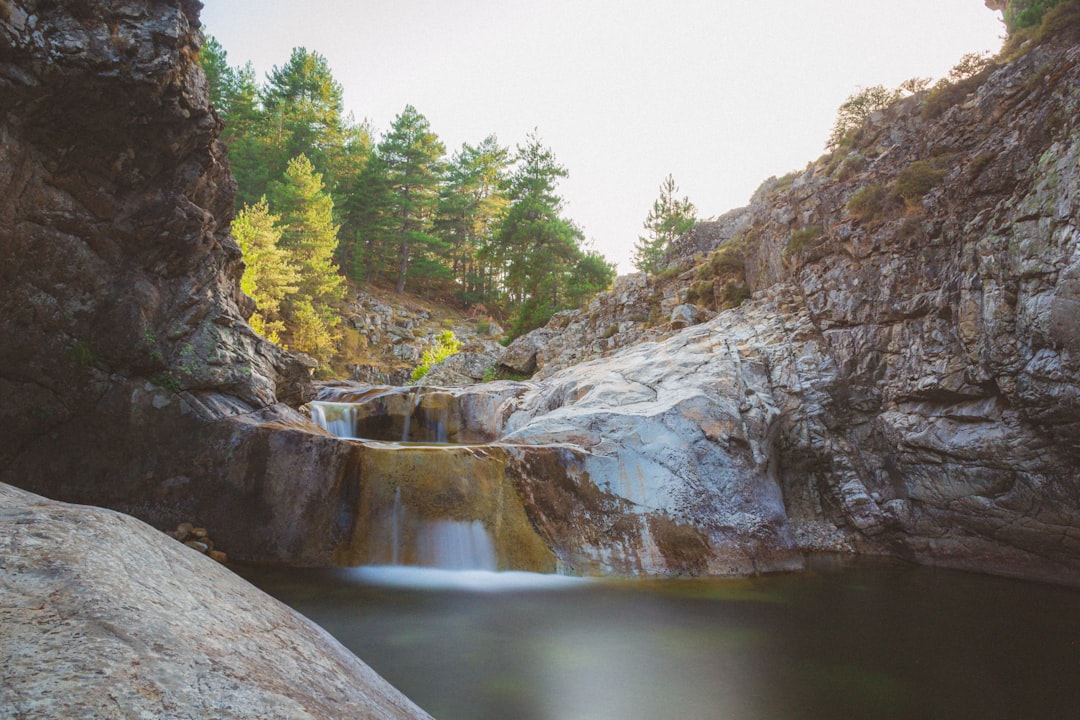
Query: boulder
520	355
685	315
105	617
463	368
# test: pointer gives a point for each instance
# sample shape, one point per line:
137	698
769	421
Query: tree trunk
404	267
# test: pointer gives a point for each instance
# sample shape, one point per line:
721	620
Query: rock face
105	617
130	377
904	380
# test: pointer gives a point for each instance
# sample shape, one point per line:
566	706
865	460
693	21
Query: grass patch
917	179
868	202
802	238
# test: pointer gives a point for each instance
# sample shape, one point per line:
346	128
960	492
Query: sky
721	94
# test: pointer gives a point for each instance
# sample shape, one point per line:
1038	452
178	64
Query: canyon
864	368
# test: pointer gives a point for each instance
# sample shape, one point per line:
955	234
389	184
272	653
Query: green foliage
308	231
214	62
546	267
446	344
483	228
167	381
411	158
916	180
81	353
472	200
803	237
1021	14
720	280
734	293
868	202
963	79
269	275
1055	19
669	219
853	112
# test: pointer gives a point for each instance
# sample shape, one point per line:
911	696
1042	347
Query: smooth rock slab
104	617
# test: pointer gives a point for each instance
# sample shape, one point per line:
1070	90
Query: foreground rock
104	617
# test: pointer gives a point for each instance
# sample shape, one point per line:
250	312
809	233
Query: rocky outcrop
905	378
130	377
105	617
386	335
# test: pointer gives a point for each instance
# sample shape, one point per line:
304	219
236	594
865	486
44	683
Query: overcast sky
722	93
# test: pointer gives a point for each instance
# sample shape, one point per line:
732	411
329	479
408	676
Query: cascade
427	497
335	417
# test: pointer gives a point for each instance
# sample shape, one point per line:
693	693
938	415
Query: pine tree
470	204
411	158
268	276
667	221
545	267
309	237
304	110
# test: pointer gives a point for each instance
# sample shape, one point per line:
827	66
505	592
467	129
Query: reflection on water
873	641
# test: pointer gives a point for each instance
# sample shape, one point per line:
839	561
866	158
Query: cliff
905	378
128	374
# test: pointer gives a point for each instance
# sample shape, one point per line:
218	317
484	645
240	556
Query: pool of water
872	640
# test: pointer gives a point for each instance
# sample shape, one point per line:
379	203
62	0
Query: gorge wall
129	376
905	378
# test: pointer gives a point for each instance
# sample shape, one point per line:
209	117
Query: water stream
449	544
872	641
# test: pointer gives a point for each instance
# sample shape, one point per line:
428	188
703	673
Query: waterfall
408	417
337	418
395	528
455	545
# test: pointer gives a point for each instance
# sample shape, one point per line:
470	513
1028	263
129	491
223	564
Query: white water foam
337	418
455	545
426	578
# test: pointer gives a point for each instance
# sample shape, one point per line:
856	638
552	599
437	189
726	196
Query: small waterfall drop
408	418
336	418
395	529
456	545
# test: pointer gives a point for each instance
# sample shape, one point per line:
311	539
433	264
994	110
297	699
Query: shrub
850	166
1021	14
701	293
445	346
801	238
734	293
964	78
854	111
867	202
916	180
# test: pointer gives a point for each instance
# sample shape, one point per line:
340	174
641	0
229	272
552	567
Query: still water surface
873	641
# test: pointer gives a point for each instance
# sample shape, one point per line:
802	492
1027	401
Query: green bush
445	346
916	180
734	293
701	293
854	111
1021	14
801	238
867	202
1061	21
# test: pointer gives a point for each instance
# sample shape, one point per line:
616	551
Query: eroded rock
105	617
